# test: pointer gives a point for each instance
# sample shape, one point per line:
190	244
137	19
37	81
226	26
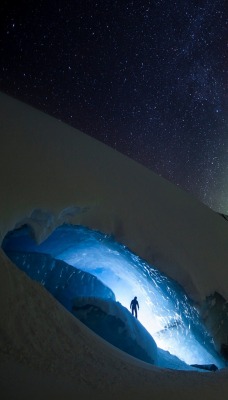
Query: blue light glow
165	310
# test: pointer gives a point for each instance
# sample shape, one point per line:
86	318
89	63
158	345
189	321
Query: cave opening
166	311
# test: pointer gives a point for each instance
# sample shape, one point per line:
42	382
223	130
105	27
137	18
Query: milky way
145	77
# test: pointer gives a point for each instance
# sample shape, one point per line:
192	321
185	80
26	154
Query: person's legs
134	311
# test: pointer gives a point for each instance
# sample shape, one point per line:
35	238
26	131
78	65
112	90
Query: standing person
134	304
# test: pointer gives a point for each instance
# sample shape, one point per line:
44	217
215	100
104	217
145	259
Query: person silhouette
134	304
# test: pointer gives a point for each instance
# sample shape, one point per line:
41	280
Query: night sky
148	78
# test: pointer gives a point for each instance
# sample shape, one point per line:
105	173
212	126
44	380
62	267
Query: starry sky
148	78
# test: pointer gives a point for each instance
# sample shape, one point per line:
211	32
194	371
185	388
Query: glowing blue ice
63	281
165	310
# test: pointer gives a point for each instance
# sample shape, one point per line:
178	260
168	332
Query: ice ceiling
165	310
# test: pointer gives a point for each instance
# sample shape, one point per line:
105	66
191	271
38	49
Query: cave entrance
165	310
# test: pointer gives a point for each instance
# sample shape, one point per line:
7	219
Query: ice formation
63	281
165	310
114	323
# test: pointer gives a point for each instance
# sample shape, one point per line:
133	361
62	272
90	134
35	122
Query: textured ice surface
63	281
114	323
165	310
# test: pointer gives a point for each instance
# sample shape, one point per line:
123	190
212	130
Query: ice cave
76	263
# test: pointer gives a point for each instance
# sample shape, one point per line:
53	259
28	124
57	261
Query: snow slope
51	173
